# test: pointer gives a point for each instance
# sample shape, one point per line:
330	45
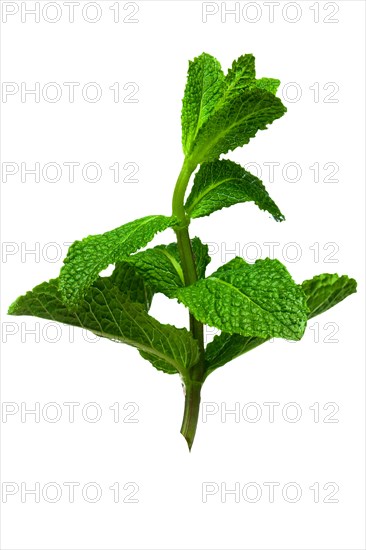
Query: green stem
191	411
190	277
194	379
180	190
184	244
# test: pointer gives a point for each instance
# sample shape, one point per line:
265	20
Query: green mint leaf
87	258
235	123
106	312
226	347
241	75
259	299
204	86
201	257
161	266
132	285
162	364
322	293
269	84
222	113
222	183
325	291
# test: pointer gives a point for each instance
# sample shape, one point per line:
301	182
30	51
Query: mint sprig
248	303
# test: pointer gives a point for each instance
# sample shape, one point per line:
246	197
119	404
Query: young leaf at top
222	113
241	75
106	311
235	123
204	86
87	258
222	183
322	293
259	299
162	269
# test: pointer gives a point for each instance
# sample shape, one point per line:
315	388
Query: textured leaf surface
106	312
87	258
221	112
326	290
222	183
204	85
269	84
161	266
132	285
322	293
226	347
240	75
201	256
235	123
259	299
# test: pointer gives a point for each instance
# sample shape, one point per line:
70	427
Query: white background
170	512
